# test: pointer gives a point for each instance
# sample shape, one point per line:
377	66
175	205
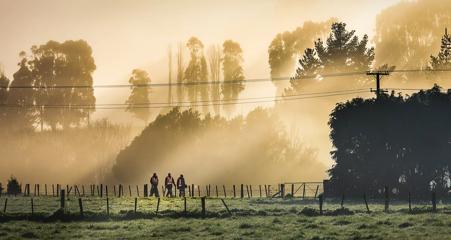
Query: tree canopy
443	58
395	141
181	141
139	96
343	51
233	70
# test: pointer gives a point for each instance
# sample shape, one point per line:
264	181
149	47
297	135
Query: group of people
168	183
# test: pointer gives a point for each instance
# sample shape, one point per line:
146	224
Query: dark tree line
395	141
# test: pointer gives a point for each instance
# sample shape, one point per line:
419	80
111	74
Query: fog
126	35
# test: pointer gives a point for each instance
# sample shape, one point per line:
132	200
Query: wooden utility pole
378	75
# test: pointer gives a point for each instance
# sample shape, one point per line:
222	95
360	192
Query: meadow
254	218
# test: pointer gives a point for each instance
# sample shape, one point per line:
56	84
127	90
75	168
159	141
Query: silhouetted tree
4	82
138	100
214	60
443	58
197	72
180	72
342	52
63	64
13	186
287	46
21	112
392	141
233	71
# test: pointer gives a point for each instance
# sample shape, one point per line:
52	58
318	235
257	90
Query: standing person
181	185
169	182
154	185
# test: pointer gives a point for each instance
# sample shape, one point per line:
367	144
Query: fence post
158	204
321	199
136	203
1	189
266	190
209	190
146	192
53	190
130	190
106	190
62	199
114	189
6	203
192	190
202	199
45	186
316	192
303	192
101	190
292	190
224	188
282	190
434	201
184	205
198	190
206	191
225	205
342	200
80	204
107	206
269	190
234	192
83	190
260	190
217	194
387	199
137	190
57	190
410	203
250	189
366	203
32	206
247	190
242	191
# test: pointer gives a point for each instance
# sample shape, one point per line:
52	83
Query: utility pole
378	75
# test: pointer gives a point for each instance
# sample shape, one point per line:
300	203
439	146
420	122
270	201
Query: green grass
251	219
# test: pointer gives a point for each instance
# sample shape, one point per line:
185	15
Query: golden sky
127	34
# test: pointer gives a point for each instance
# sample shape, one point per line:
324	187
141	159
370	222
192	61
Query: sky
136	34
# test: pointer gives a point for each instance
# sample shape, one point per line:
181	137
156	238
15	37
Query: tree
342	52
287	46
4	83
180	73
197	72
13	187
392	141
57	64
22	113
408	32
214	60
443	58
233	71
139	96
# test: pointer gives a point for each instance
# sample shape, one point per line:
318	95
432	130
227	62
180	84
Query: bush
13	187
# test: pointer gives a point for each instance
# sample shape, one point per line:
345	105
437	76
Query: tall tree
342	52
170	75
408	32
233	71
443	58
197	72
139	96
57	64
22	100
4	83
287	46
180	73
214	59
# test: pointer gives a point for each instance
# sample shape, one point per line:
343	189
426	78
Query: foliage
227	149
408	32
4	82
197	71
53	65
139	96
13	187
214	60
392	141
233	71
342	52
443	58
285	47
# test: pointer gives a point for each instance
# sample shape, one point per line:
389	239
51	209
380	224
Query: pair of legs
154	191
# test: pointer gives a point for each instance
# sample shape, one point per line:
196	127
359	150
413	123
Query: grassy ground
251	219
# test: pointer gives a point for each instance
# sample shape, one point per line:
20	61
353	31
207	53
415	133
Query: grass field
250	219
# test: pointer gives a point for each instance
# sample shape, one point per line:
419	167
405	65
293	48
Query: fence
302	190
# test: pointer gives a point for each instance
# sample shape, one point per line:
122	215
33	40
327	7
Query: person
154	185
168	183
181	185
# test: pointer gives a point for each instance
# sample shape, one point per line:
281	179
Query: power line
251	80
238	101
